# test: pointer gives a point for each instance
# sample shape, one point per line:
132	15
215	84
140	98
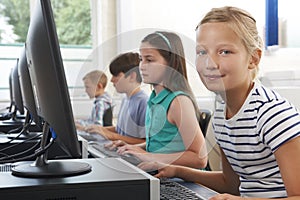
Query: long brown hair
170	47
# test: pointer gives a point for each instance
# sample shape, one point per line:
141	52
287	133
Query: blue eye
201	52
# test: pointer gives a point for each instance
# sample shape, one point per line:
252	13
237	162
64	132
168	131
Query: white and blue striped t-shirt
250	138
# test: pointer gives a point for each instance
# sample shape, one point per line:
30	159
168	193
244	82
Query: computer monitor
16	89
51	98
28	100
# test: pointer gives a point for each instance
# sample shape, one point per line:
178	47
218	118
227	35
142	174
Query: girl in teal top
161	135
173	134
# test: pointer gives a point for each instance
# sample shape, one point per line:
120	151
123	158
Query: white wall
280	70
139	17
177	15
135	19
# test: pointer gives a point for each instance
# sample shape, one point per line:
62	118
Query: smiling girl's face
222	60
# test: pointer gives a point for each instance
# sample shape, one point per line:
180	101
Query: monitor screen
51	97
16	89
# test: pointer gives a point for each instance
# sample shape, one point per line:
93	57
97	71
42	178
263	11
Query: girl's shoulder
265	95
181	99
265	100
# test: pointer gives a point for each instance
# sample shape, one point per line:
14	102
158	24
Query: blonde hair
96	76
241	22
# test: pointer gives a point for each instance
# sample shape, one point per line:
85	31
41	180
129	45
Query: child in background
173	134
95	83
126	79
257	130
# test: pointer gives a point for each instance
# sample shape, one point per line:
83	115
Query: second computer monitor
16	89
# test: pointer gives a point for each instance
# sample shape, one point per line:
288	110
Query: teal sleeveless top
161	135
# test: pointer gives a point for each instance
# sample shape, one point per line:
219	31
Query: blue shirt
131	118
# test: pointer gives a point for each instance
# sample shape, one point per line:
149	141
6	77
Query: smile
213	77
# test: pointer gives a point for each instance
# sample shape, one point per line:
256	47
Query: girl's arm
111	134
127	139
288	160
225	181
182	114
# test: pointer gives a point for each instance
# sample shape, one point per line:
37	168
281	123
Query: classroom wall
135	19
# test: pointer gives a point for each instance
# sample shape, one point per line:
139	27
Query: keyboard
113	153
91	136
173	190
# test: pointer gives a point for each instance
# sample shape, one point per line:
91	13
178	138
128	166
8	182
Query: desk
205	192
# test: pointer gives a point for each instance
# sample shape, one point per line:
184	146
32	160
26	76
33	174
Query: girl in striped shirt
257	129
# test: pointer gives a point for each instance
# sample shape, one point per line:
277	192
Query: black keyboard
173	190
113	153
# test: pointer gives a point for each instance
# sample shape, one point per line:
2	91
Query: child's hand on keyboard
164	170
135	150
94	129
98	129
115	144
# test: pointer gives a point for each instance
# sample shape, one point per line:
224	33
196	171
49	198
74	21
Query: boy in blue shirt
126	79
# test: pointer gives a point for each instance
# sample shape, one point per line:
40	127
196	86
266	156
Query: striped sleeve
278	121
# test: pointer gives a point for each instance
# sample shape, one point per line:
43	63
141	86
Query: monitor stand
41	167
52	168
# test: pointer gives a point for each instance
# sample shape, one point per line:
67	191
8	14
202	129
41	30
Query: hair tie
165	39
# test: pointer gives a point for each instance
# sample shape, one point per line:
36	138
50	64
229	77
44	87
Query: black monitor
16	89
51	98
28	101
